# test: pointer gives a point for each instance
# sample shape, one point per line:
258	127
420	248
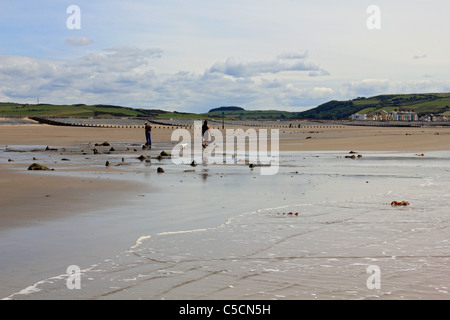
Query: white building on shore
359	116
396	115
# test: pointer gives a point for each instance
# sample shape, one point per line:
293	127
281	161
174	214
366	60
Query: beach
220	230
323	137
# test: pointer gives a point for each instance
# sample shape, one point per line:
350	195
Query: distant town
397	115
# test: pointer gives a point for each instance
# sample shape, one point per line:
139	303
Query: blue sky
193	55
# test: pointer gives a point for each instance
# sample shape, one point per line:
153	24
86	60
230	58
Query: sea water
312	231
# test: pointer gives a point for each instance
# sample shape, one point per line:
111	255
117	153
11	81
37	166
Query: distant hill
432	103
100	110
221	109
82	110
242	114
332	110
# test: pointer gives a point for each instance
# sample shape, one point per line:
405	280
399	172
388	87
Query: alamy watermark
74	279
236	147
373	22
374	280
74	20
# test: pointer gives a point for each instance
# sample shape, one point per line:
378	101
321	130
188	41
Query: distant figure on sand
205	133
148	136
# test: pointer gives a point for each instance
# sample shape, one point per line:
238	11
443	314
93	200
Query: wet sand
43	201
29	197
292	139
50	193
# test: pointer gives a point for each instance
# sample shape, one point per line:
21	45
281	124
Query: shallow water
225	232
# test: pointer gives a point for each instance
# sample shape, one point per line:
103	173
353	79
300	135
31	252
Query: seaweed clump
37	166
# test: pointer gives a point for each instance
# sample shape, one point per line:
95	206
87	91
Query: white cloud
367	87
293	55
78	42
117	59
127	76
319	73
130	76
284	62
372	87
423	56
114	71
323	91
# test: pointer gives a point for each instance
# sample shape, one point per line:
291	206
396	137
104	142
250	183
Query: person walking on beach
148	136
205	133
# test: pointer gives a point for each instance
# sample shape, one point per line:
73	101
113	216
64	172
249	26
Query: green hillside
82	110
433	103
332	110
420	103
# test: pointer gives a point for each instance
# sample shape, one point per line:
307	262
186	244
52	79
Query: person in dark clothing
148	136
205	133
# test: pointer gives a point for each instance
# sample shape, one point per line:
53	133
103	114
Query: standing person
148	136
205	133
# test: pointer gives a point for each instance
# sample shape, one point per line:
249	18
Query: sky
194	55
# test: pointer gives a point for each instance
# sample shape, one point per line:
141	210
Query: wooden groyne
134	123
